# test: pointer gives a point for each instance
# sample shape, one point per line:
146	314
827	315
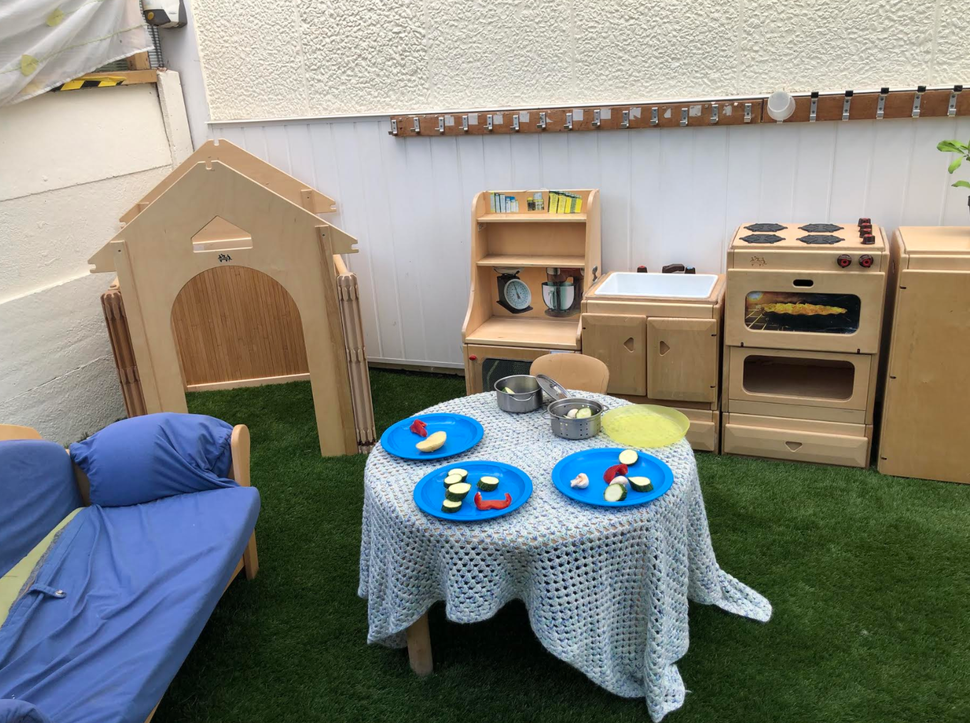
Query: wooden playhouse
227	278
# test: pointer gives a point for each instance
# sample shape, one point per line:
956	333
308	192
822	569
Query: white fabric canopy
44	43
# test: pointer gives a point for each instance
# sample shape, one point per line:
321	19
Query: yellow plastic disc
645	425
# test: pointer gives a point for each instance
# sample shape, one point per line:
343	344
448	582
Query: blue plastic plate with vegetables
459	491
461	434
646	478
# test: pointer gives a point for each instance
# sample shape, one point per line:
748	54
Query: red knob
865	261
865	220
844	260
472	357
865	228
869	239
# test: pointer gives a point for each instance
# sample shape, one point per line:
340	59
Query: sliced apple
432	443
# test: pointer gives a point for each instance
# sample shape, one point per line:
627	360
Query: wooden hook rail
809	108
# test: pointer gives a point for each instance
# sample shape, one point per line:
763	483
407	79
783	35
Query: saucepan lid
551	387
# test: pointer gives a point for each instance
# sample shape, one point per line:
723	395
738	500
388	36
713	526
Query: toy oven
818	310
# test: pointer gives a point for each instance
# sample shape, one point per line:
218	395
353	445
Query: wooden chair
574	371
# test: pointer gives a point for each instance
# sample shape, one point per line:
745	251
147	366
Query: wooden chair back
574	371
13	431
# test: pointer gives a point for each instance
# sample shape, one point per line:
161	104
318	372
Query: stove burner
821	240
820	227
761	238
762	227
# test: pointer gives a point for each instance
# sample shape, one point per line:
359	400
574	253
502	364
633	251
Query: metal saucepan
563	426
526	395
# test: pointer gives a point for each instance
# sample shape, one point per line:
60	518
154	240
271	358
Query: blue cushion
37	490
118	603
19	711
154	456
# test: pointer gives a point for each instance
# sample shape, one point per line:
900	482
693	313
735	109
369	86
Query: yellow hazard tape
92	81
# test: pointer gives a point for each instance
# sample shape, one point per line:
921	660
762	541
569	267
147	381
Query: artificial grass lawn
868	576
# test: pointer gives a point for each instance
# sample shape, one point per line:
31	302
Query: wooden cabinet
682	359
618	341
925	432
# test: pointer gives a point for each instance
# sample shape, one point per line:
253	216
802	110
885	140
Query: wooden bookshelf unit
529	270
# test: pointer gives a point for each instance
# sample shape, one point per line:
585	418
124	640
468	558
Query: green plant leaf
962	184
954	164
951	147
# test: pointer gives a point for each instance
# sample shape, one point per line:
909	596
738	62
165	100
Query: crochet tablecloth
606	589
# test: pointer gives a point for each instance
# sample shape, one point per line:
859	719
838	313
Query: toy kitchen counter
659	334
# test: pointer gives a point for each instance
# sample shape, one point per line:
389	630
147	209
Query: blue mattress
118	603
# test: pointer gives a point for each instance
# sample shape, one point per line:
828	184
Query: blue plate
463	434
430	491
594	462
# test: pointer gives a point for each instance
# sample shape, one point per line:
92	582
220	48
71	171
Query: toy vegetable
492	504
615	470
419	428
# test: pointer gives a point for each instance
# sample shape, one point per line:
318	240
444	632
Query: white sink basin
667	286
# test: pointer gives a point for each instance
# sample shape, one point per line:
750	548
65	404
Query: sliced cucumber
451	506
584	413
457	471
628	457
508	391
615	493
458	491
453	479
487	484
641	484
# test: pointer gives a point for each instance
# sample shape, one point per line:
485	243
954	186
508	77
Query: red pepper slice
492	504
616	469
419	428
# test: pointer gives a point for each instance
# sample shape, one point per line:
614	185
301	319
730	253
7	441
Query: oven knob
865	261
868	239
472	357
865	228
844	261
864	220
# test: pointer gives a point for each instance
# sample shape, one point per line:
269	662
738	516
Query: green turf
869	577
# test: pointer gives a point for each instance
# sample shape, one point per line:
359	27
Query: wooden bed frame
225	238
239	446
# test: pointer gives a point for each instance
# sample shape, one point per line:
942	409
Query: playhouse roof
189	204
249	165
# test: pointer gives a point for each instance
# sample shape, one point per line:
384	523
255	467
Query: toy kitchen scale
802	327
528	273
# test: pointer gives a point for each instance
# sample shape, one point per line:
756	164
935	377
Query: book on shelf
559	202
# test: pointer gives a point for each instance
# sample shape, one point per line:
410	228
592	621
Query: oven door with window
817	310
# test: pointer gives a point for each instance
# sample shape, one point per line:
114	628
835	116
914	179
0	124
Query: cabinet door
682	359
619	342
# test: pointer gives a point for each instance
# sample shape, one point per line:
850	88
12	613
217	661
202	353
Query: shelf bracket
569	120
881	103
542	121
747	112
683	117
846	105
813	108
714	114
654	116
625	122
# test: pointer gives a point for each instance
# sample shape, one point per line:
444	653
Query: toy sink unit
668	286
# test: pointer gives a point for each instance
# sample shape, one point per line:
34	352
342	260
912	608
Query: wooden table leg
419	646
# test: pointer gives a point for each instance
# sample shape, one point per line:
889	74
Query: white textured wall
321	57
668	196
70	164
